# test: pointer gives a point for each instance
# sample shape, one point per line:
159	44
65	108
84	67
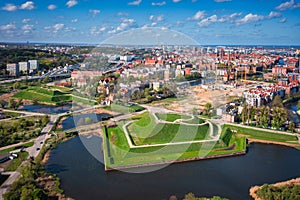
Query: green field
52	95
28	144
118	153
171	117
263	135
124	109
44	95
147	131
122	155
15	163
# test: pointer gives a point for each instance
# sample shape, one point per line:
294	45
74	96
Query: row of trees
265	116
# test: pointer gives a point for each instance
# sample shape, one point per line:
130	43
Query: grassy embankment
52	95
28	144
264	135
118	153
146	131
124	109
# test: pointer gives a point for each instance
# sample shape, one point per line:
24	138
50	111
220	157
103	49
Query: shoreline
253	190
175	161
251	140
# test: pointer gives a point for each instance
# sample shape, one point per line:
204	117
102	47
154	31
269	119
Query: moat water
83	176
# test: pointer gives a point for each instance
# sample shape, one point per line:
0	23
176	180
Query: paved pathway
211	129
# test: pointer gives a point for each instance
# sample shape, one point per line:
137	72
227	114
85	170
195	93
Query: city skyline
212	22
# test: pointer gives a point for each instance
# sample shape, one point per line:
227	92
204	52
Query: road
24	112
33	151
5	186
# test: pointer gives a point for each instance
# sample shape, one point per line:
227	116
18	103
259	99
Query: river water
83	176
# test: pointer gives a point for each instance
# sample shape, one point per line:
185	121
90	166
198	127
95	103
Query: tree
291	126
208	106
46	79
263	116
87	120
11	103
244	114
279	117
2	103
277	102
16	85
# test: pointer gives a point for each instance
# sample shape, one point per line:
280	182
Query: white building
24	67
13	69
33	65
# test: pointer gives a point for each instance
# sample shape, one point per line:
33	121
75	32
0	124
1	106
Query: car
41	142
38	149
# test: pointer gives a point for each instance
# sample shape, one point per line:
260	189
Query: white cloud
255	18
250	18
94	30
8	27
29	5
176	1
229	18
51	7
125	25
10	7
273	14
122	14
207	21
58	27
25	21
135	3
55	28
27	28
199	15
94	12
218	1
288	5
215	19
283	20
71	3
69	29
74	20
159	3
154	20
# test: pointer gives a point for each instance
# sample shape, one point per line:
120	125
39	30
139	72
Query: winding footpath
153	110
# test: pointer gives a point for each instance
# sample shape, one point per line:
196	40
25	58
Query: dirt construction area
197	96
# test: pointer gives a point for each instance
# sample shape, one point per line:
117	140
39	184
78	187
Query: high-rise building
13	69
24	66
33	65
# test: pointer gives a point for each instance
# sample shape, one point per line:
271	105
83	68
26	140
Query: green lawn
146	131
15	163
43	95
263	135
124	109
28	144
117	152
171	117
122	155
196	120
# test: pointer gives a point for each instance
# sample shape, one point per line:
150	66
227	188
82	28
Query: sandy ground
6	96
197	97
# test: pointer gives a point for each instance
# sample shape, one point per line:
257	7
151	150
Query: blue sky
266	22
